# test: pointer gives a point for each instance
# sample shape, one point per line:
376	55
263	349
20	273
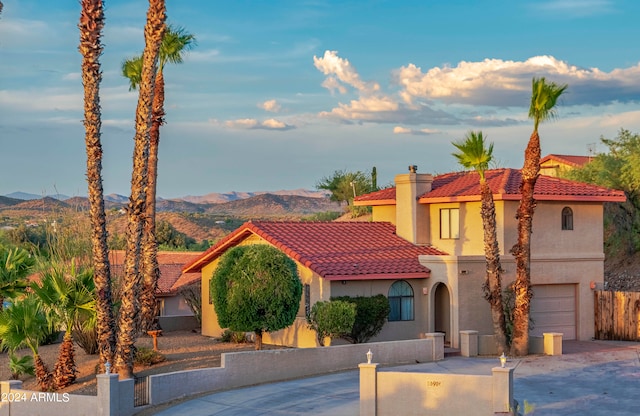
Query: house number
432	383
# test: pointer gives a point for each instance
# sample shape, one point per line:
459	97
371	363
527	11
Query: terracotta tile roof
570	160
505	183
334	250
382	197
170	264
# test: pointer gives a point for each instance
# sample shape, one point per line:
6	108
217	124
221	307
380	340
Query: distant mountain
6	201
27	197
216	198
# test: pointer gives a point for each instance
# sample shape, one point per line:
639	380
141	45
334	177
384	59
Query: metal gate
141	391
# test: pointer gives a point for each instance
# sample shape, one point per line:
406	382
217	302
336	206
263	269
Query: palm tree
90	26
544	97
22	324
174	42
70	299
129	308
15	265
473	154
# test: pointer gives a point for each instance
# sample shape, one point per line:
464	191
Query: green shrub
148	356
332	319
20	366
236	337
371	315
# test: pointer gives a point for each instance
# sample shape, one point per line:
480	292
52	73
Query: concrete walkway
591	378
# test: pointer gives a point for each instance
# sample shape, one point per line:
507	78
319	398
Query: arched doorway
442	312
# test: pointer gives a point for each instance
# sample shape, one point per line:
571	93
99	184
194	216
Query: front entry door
442	312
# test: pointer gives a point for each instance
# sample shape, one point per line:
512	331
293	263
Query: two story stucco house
424	250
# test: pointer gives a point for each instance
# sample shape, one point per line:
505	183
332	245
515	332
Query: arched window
567	218
401	301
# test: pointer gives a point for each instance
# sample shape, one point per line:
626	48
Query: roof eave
372	203
390	276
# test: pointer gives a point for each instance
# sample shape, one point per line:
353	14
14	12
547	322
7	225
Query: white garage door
553	309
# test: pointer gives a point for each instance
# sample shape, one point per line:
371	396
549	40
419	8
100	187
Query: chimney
412	218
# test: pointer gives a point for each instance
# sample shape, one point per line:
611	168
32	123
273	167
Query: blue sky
277	95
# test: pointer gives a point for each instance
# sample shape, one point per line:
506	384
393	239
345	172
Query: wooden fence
617	315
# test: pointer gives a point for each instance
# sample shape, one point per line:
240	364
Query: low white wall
253	367
391	393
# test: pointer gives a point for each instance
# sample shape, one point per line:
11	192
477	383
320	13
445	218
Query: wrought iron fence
141	391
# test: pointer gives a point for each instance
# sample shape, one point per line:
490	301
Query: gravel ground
184	350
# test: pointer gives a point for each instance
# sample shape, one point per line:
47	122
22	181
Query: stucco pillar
469	343
5	388
502	389
368	388
552	343
108	395
437	345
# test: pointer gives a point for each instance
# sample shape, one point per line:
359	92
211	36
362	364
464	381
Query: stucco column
502	389
552	343
469	343
5	388
368	388
108	395
437	345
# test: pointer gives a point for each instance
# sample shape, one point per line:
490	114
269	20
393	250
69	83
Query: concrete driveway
594	378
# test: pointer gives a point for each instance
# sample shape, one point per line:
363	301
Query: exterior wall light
503	360
369	356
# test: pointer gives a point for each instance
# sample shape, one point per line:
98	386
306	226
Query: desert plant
193	296
371	315
20	366
332	319
236	337
148	356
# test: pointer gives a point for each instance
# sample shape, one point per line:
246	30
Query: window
401	301
449	223
567	218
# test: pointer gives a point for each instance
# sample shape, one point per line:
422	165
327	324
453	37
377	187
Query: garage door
553	309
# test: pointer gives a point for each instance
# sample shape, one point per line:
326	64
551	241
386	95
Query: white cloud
575	8
417	132
341	70
271	106
494	82
72	76
253	124
366	108
209	55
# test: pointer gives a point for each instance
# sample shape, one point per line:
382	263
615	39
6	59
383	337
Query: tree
256	288
544	97
91	25
15	266
344	186
619	168
371	315
474	154
175	42
70	300
24	323
136	209
333	319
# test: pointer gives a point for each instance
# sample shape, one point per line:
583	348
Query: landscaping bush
148	356
371	315
332	319
237	337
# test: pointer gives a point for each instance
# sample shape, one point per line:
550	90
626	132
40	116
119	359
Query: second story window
567	218
449	223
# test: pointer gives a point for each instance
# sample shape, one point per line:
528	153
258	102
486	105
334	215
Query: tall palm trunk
43	375
149	309
522	250
91	24
129	309
493	283
65	371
